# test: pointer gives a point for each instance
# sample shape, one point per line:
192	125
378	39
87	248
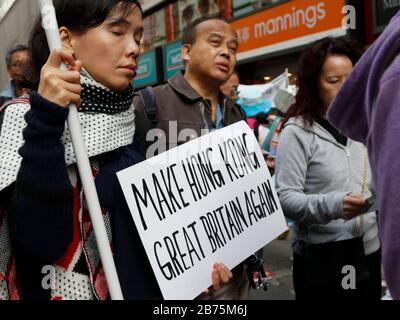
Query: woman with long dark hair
323	181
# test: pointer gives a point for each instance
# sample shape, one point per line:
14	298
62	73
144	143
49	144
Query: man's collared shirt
9	92
219	121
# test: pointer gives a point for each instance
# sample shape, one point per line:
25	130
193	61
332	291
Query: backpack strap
150	106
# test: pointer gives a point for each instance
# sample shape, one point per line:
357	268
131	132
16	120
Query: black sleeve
43	199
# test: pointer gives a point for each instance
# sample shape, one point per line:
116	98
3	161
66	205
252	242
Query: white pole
49	23
287	77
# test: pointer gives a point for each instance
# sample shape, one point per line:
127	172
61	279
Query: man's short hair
17	48
189	34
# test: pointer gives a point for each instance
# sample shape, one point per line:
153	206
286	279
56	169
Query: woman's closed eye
117	33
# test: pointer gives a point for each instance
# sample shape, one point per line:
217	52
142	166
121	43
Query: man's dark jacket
178	101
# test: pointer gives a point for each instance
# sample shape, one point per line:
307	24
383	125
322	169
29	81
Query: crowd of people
343	119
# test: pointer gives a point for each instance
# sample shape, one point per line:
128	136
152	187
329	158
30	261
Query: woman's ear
66	40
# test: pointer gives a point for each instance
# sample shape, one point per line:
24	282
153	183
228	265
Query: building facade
272	33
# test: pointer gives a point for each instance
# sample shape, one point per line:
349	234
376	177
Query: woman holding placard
54	252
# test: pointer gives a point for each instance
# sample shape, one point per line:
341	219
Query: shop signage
172	58
292	24
147	70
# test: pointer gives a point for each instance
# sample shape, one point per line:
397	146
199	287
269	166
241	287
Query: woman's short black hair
76	15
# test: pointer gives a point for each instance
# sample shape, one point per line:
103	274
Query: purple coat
367	109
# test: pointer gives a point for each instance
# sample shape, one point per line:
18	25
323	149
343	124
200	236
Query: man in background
230	88
17	59
194	102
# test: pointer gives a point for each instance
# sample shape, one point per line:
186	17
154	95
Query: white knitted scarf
102	131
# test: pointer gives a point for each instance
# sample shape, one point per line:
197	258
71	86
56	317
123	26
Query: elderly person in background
17	58
230	88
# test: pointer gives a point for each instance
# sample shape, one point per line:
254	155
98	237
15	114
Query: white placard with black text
209	200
